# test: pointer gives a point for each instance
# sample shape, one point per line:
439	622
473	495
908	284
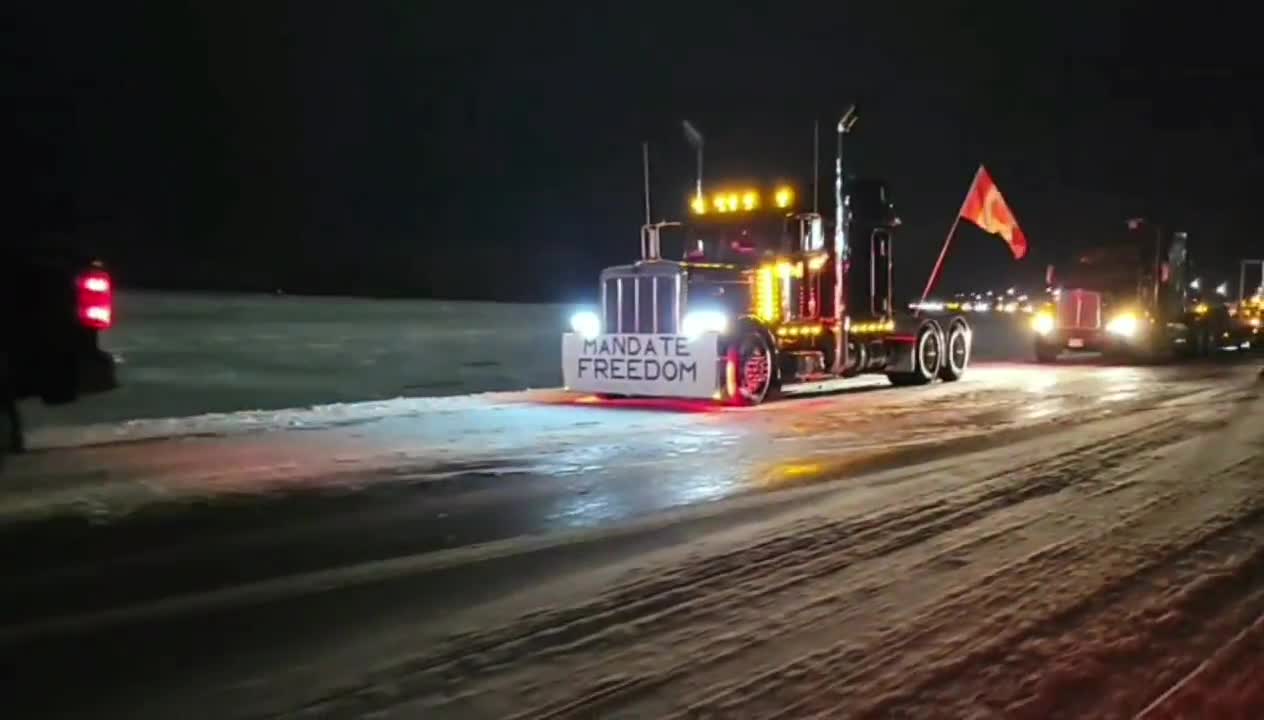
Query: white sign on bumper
653	365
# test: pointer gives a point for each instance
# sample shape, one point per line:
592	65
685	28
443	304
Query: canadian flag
985	207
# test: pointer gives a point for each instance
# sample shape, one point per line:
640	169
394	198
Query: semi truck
766	293
1135	300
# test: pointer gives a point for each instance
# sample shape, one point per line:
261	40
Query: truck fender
900	349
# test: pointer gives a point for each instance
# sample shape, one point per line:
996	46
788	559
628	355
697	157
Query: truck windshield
743	238
1115	269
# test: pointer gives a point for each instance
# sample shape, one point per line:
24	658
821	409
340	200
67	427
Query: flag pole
952	231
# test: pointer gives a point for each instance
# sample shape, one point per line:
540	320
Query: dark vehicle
54	308
765	294
1133	300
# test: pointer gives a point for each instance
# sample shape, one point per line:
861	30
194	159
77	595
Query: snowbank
188	355
185	354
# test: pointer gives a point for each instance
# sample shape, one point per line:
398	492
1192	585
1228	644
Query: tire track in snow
1102	673
957	643
791	559
721	657
1186	586
927	624
1225	685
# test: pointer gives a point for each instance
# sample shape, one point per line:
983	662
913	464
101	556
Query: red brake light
96	283
96	300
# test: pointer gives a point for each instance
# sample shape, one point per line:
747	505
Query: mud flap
899	356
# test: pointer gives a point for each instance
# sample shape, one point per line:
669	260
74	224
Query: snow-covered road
688	451
1033	542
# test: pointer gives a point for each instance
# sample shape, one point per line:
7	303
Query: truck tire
928	357
753	359
59	386
1119	355
857	358
11	436
1046	353
1200	342
11	440
957	349
1156	350
1192	348
1206	343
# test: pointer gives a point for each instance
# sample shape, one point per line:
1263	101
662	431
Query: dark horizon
433	152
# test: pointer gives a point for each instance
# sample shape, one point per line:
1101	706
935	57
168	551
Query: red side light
96	300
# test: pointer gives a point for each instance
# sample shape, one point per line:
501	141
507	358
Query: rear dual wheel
928	359
956	353
1046	353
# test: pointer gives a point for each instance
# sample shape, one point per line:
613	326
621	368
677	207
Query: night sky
468	151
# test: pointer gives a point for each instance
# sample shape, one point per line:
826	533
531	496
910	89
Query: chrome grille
644	301
1080	310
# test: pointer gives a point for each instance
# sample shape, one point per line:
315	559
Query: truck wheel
11	440
857	358
1156	350
928	357
1192	348
1046	353
1119	355
753	365
1206	343
956	352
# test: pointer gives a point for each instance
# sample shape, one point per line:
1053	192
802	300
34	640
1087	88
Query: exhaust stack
845	124
645	169
695	140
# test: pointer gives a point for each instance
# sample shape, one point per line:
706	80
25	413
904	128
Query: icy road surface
1032	542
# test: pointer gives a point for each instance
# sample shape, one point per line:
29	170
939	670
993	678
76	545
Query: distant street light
1196	285
1222	289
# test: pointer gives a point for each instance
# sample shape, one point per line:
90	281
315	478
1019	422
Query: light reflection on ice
1040	382
703	486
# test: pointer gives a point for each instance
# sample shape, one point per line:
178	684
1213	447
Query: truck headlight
586	324
1042	323
1124	325
702	321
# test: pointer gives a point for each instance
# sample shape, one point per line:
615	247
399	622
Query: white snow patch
221	424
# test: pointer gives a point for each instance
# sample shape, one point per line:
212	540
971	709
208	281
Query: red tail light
96	299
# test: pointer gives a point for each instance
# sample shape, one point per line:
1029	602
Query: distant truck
53	307
1132	301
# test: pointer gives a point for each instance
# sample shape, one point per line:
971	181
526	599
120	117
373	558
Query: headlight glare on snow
1042	323
586	324
701	321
